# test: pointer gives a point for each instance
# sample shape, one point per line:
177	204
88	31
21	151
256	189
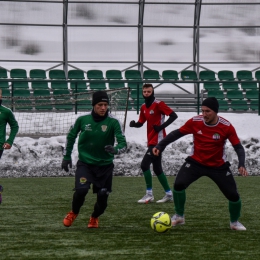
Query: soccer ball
161	222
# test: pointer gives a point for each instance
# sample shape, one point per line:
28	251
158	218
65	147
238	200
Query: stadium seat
3	75
37	74
226	75
56	85
114	75
6	92
21	93
170	74
95	74
62	102
97	85
134	94
257	75
230	86
78	76
151	74
252	94
57	74
23	105
43	104
234	94
211	86
218	94
84	105
254	104
207	75
245	85
134	75
189	75
42	92
223	105
40	85
244	75
239	105
19	74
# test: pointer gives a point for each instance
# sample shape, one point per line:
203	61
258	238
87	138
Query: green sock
234	210
148	179
164	182
179	201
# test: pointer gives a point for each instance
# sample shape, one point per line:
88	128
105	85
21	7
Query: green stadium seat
134	75
114	75
170	75
3	73
254	104
43	104
21	93
248	85
234	94
239	105
257	75
207	75
78	76
218	94
23	105
66	102
37	74
252	94
223	105
95	74
244	75
41	92
19	74
6	92
211	86
134	94
151	74
61	92
230	86
226	75
40	85
57	74
189	75
97	85
84	105
59	85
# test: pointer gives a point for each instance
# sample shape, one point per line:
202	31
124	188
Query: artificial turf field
32	211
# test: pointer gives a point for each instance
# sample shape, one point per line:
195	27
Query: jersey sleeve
13	126
187	127
232	135
142	118
71	137
164	109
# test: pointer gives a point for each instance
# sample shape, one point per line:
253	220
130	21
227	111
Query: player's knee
178	186
145	167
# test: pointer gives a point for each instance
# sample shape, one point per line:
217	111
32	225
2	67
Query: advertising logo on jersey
88	127
216	136
151	112
104	128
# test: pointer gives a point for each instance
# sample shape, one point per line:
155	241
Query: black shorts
1	152
222	176
99	176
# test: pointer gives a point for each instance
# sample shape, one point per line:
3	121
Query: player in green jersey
6	117
96	147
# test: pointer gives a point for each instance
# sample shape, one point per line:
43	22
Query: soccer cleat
93	222
177	220
1	190
166	198
146	199
237	226
69	219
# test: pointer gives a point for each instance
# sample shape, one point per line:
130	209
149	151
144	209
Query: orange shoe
68	220
93	222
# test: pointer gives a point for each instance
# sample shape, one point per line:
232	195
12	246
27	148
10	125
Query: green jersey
7	117
94	136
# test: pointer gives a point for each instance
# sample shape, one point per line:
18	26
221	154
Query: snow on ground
43	156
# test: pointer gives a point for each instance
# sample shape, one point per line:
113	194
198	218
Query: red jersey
209	140
154	115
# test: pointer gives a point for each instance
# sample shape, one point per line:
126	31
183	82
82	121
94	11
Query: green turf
32	211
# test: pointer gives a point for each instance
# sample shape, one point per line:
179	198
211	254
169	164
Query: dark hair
148	86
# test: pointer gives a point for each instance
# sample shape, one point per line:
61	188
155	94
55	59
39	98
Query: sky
42	157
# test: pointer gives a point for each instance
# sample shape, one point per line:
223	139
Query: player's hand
7	146
66	164
111	149
132	123
157	128
156	152
243	171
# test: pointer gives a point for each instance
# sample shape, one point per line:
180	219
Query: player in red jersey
208	158
153	112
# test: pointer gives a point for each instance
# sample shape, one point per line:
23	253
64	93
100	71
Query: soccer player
98	130
210	133
153	111
6	117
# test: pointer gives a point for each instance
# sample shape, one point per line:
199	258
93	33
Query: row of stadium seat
238	105
207	77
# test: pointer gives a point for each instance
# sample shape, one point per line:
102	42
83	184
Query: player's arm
14	130
172	117
140	122
240	151
171	137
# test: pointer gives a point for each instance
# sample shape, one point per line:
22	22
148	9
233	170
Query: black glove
66	164
132	123
157	128
111	149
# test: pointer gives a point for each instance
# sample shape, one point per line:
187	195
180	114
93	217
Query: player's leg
157	168
145	166
188	173
1	187
226	183
102	195
81	189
